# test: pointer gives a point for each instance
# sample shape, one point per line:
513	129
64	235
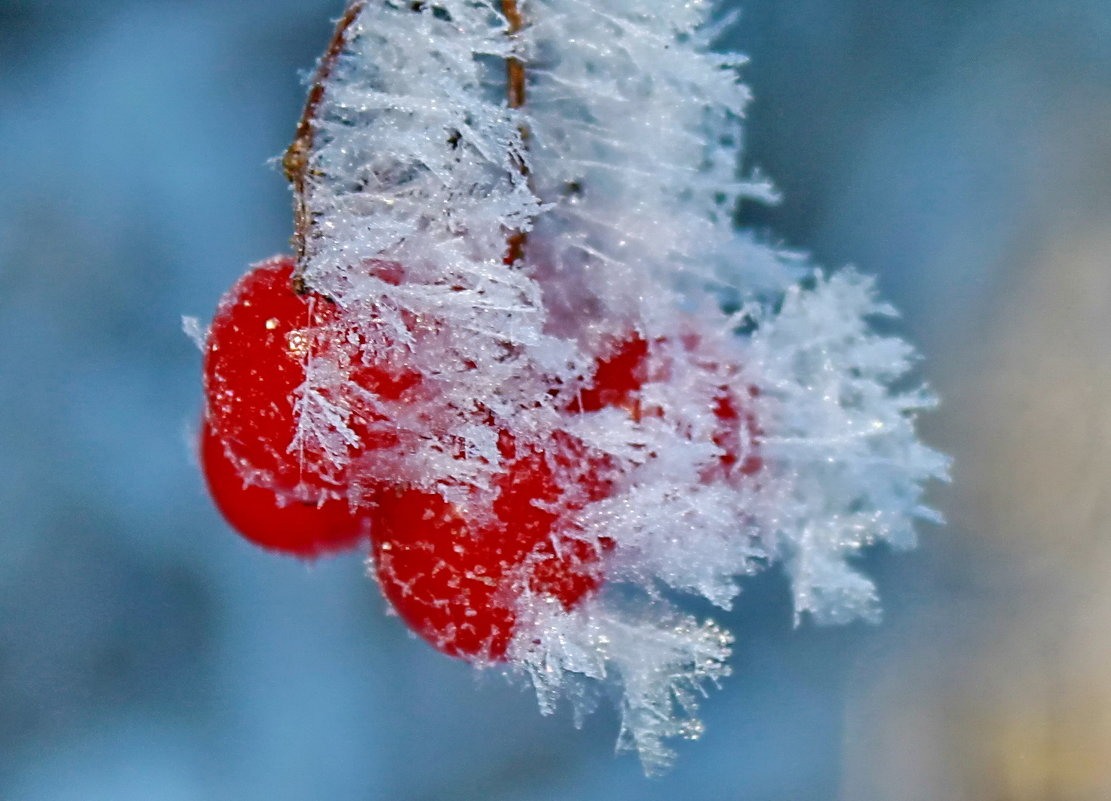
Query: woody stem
295	162
515	92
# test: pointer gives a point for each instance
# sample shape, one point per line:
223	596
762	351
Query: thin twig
295	162
515	68
515	92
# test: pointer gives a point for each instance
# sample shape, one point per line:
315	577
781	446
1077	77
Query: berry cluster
456	572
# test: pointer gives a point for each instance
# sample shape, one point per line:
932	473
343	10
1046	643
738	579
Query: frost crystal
627	192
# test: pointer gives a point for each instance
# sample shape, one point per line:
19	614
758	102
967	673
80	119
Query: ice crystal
627	192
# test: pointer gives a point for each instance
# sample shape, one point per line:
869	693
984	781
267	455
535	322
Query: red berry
272	519
456	573
619	377
258	348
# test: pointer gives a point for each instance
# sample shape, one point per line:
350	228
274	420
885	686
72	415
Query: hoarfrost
628	190
195	330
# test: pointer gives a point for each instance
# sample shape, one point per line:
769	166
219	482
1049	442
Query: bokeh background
959	149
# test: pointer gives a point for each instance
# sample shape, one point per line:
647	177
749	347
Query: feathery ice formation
536	450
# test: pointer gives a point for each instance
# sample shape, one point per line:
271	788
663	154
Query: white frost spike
636	127
842	456
634	140
662	659
413	159
412	186
195	330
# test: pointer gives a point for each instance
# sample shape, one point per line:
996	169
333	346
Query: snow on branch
750	437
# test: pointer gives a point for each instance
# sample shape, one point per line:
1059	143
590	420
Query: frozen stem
295	162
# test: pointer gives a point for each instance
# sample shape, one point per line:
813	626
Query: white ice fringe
662	660
633	150
413	169
636	130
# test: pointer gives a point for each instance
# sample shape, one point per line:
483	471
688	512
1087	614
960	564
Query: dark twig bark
295	162
515	92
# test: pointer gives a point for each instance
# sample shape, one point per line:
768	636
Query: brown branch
515	68
515	93
295	162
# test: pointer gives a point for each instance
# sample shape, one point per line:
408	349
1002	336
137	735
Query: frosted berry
259	347
620	375
456	574
738	436
276	520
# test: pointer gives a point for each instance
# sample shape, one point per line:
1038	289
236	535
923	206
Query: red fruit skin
273	520
735	425
617	378
620	375
258	348
456	574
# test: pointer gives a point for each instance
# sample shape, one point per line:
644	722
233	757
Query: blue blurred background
959	150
